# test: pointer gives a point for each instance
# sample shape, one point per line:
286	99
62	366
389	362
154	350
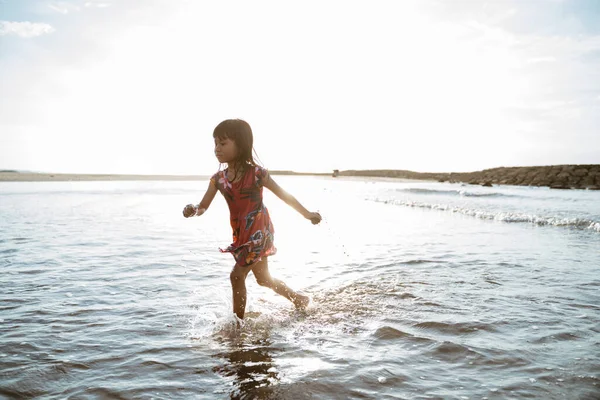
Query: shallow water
419	291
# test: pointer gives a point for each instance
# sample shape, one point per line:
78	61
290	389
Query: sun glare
318	82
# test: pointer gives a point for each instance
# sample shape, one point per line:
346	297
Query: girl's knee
265	281
236	277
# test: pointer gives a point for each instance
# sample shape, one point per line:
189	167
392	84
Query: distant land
17	176
553	176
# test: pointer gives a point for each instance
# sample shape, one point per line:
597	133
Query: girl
241	184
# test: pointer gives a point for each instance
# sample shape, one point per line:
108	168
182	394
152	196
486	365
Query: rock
556	176
586	182
538	181
559	187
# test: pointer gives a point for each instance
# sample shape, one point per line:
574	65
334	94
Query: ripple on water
9	251
499	358
452	352
389	333
40	378
556	337
458	328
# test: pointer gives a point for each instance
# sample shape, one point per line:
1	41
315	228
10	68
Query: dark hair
240	133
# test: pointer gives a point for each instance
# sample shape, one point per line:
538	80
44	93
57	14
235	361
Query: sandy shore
13	176
40	177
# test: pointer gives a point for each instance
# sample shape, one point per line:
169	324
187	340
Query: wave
455	192
580	223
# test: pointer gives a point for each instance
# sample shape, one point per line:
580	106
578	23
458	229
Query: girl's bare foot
301	301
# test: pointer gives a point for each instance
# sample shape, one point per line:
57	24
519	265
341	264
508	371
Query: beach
49	177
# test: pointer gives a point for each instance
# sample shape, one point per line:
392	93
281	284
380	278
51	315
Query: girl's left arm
290	200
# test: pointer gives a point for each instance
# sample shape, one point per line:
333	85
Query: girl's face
225	150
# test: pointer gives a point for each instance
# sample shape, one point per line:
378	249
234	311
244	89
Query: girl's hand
314	217
189	210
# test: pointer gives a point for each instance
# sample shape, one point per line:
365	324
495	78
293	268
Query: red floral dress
252	227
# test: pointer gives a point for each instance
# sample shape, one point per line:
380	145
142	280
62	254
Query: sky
137	86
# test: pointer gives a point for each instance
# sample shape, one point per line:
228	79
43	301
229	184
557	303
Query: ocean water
420	290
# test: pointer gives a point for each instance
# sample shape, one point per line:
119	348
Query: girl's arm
291	200
199	209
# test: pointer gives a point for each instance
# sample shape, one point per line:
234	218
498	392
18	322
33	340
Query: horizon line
284	171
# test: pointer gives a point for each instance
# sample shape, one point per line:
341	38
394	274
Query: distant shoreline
25	176
46	177
554	176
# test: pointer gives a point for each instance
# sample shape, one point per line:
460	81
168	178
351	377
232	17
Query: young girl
241	184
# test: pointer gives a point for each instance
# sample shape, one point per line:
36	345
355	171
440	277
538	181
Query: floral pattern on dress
252	229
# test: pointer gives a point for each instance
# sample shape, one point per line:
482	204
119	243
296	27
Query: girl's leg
238	288
264	278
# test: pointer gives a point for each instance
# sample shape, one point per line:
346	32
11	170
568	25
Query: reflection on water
247	362
407	301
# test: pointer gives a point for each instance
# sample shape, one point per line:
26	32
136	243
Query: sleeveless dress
252	227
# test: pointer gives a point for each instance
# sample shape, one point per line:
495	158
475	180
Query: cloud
536	60
24	29
63	7
98	4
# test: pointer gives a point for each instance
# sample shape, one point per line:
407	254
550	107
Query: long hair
240	133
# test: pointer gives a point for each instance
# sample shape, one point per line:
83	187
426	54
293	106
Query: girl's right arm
192	209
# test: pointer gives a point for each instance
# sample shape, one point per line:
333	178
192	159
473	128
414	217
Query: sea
419	290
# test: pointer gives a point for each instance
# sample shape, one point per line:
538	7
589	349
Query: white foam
501	215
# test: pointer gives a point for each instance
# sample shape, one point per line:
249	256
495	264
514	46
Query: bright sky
137	86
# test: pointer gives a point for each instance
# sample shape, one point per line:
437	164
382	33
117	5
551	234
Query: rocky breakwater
555	176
